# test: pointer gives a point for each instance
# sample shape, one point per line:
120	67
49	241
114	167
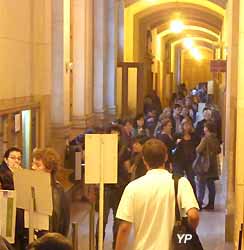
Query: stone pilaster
60	101
230	131
120	31
111	44
240	123
105	59
82	37
100	53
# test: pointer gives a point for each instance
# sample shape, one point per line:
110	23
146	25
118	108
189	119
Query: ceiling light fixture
177	26
188	43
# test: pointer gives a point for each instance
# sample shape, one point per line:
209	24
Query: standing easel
34	195
101	157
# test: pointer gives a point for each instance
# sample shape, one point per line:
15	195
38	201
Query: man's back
149	204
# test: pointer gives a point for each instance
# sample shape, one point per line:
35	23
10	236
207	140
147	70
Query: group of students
184	137
167	140
46	160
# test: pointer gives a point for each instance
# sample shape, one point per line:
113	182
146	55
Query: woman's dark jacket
170	144
214	149
60	220
185	152
6	177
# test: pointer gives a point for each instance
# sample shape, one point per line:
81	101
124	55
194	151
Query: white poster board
101	166
24	179
7	214
34	194
101	150
40	221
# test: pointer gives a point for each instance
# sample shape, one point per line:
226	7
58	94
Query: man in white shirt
148	203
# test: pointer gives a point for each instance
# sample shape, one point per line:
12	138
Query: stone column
105	58
239	188
120	31
111	60
60	102
231	109
82	39
99	59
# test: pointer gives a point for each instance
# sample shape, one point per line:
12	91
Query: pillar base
99	118
81	123
60	134
110	114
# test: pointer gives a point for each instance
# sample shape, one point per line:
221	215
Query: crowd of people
169	140
184	131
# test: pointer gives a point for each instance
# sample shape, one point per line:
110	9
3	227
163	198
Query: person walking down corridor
209	145
185	152
148	203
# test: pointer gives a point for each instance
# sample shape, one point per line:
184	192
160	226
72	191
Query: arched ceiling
188	29
163	27
192	33
188	14
203	18
202	44
199	40
221	3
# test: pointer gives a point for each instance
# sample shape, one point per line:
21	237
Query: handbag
201	164
184	237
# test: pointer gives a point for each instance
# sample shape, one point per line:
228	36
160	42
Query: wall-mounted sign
218	65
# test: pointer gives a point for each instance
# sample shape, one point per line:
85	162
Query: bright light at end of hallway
177	26
196	54
188	43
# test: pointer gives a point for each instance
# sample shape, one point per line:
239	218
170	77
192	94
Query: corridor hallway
70	65
211	229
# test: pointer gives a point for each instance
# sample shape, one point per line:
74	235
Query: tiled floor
211	228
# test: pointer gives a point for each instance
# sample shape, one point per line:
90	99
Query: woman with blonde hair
185	152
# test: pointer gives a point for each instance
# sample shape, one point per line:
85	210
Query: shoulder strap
177	210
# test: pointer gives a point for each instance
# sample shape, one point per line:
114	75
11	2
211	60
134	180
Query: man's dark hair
138	117
154	153
210	125
206	108
116	128
51	241
177	106
12	149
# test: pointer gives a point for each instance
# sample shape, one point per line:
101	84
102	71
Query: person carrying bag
184	236
201	164
206	166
